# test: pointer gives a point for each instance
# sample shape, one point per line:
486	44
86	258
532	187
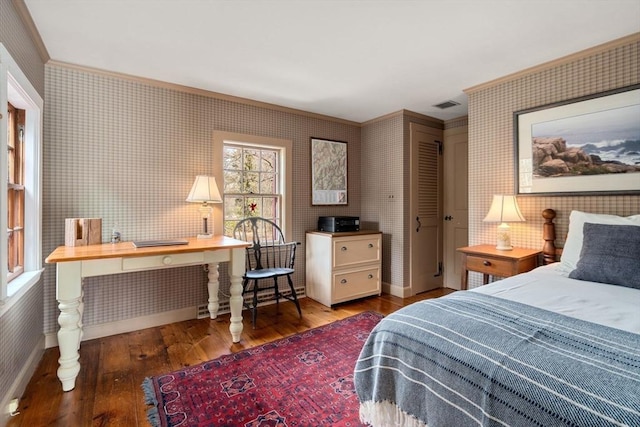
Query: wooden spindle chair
268	258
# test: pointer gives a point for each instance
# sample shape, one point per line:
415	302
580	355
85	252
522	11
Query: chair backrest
268	247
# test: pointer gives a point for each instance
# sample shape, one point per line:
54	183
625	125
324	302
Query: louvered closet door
426	209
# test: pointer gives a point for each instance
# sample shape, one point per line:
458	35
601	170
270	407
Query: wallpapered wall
21	325
491	149
127	152
385	188
382	190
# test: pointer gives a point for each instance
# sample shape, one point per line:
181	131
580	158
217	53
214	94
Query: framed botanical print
328	172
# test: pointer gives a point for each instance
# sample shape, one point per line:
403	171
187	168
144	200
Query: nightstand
489	261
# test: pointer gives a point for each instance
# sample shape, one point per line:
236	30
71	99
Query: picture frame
329	170
586	145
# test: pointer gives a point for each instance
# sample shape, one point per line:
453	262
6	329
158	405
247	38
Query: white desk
74	263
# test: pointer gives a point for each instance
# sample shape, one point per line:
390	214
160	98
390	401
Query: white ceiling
352	59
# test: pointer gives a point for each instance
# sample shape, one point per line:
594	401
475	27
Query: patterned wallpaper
385	188
21	325
382	196
127	152
491	150
16	39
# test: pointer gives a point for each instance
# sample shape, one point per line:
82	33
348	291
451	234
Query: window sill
19	287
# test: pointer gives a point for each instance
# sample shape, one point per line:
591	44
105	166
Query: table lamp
504	209
205	190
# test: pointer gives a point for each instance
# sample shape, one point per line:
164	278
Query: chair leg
254	311
277	292
245	285
293	294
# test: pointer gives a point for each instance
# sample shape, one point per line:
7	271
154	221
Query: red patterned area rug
303	380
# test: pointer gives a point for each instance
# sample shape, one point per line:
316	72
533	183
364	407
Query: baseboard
129	325
395	290
157	319
21	381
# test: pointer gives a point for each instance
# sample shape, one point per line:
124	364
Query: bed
559	345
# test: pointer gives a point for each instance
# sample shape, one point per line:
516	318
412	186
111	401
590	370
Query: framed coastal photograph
585	145
328	172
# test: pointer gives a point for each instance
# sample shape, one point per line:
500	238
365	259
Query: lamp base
504	248
504	238
204	236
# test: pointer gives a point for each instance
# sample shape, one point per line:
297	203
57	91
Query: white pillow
573	245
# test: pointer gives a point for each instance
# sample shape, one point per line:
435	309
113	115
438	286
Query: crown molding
623	41
403	113
196	91
32	30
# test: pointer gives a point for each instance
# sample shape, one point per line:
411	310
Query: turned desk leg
69	296
213	286
236	271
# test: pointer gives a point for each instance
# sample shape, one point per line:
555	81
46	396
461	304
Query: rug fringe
150	399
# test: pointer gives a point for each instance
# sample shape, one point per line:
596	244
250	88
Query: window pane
270	208
251	160
228	227
251	182
268	183
253	206
232	158
232	182
269	161
233	207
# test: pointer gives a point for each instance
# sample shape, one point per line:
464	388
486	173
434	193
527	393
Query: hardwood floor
108	389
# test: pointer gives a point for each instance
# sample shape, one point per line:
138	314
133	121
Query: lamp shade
204	189
504	209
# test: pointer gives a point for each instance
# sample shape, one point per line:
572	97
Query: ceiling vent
447	104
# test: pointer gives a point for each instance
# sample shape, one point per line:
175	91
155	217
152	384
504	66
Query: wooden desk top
127	249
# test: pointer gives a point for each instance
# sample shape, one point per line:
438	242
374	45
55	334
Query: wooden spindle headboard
549	236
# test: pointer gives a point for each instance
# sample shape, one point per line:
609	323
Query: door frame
451	258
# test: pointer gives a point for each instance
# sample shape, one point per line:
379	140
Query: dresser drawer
356	251
356	283
159	261
492	266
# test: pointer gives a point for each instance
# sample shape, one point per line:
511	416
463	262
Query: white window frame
286	163
16	88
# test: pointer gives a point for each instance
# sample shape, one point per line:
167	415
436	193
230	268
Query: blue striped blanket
473	359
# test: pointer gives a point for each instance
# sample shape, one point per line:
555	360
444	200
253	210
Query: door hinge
439	270
440	147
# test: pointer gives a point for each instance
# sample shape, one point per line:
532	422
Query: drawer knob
343	281
370	245
167	260
486	263
344	248
370	276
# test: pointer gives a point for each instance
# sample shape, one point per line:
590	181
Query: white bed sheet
546	287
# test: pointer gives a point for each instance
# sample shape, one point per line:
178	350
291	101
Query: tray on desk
150	243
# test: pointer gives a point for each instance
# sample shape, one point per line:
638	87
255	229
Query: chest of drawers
343	266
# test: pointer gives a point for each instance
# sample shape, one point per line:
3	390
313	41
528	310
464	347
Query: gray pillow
610	254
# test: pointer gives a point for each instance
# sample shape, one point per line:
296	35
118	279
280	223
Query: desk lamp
205	190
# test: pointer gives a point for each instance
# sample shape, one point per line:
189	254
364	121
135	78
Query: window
255	173
15	192
251	184
20	168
